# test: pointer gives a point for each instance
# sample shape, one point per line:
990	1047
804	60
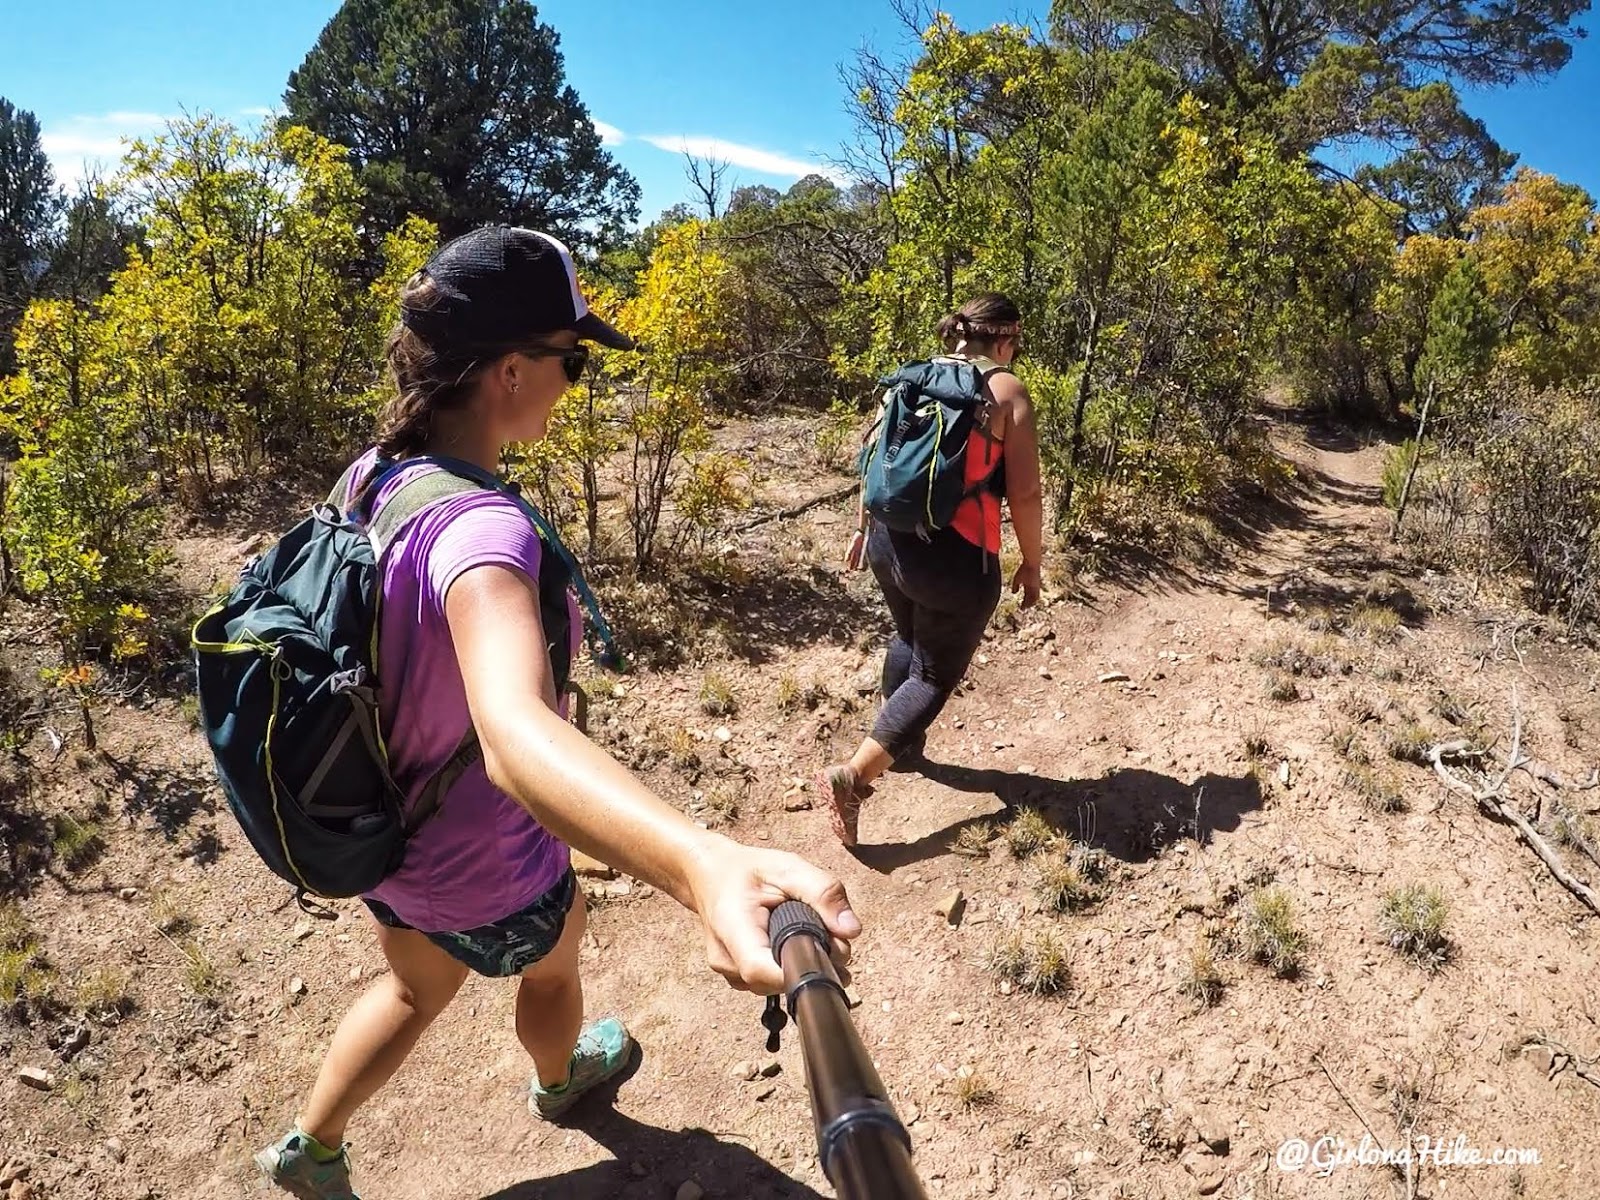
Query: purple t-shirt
481	857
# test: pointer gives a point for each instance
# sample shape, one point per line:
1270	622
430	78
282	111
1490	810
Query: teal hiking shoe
288	1164
602	1051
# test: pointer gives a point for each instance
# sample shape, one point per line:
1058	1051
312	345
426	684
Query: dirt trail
1116	1088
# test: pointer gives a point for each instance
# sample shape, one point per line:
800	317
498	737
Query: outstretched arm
583	796
856	554
1024	492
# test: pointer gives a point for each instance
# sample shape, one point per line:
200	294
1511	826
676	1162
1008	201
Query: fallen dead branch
1564	1058
805	506
1492	799
1549	775
1510	630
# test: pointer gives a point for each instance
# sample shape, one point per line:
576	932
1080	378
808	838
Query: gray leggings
941	594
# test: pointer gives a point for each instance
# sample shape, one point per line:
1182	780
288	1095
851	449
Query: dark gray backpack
287	672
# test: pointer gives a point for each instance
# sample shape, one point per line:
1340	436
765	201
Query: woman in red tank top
942	589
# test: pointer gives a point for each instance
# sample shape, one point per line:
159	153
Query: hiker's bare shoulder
1005	386
1010	394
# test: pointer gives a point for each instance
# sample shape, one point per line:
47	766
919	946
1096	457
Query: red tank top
978	517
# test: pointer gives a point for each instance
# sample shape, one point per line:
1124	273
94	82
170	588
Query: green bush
1396	462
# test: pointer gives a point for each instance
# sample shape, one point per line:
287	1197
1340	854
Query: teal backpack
913	465
286	670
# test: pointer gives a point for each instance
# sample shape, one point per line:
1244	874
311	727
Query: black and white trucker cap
501	285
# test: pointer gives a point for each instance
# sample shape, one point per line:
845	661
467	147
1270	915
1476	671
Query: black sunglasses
573	360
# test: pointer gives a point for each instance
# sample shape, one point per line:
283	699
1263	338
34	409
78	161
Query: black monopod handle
862	1145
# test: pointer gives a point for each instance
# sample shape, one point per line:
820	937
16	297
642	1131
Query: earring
514	388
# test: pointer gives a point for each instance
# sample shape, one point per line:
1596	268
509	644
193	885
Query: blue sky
754	83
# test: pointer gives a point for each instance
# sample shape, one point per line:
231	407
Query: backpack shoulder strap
985	395
411	498
466	755
340	496
601	642
427	489
452	477
985	412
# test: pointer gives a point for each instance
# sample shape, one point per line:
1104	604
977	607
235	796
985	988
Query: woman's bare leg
380	1029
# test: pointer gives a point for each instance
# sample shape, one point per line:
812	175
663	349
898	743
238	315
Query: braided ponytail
426	379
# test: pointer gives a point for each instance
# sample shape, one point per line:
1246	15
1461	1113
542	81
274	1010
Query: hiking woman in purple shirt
489	339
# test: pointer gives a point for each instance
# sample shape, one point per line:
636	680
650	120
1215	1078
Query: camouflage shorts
508	946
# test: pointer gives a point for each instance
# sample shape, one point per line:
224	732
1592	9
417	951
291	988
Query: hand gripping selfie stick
864	1149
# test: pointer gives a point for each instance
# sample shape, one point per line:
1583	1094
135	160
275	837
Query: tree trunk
952	143
1408	364
591	507
591	482
1416	457
1085	389
1391	387
1154	430
90	742
5	550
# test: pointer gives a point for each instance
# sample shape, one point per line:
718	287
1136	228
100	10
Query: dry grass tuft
1271	934
1412	920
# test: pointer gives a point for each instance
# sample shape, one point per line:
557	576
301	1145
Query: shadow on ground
649	1162
758	613
24	838
1341	575
1247	515
1132	815
1327	432
1244	518
170	799
774	611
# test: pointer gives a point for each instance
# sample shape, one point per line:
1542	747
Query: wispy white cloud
86	145
258	110
751	158
610	135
